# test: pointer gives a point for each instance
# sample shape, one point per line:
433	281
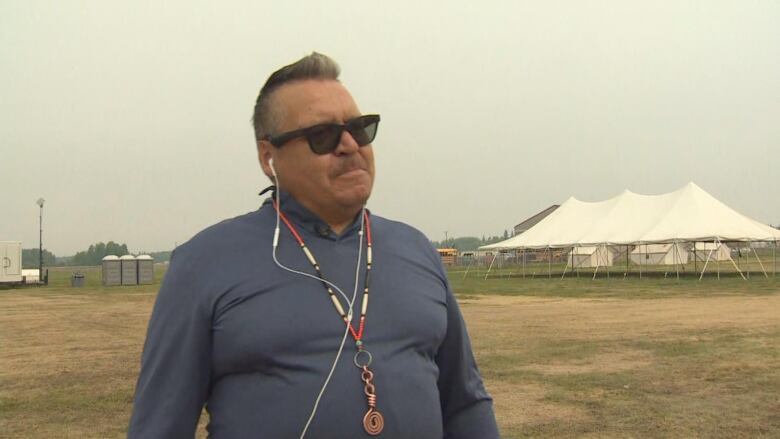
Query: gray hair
314	66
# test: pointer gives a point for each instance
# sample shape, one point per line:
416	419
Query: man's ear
264	155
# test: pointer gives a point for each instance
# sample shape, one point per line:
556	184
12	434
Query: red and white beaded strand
373	422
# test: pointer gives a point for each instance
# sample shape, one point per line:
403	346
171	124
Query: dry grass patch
666	367
522	404
69	362
604	363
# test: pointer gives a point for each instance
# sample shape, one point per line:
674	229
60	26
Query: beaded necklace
373	422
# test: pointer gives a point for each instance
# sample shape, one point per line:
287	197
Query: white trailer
10	261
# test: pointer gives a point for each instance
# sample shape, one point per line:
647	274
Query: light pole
40	238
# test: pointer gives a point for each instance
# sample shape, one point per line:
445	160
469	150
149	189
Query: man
249	320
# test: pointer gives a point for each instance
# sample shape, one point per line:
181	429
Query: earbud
276	231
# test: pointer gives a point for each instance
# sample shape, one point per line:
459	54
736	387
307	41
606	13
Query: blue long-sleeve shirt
254	343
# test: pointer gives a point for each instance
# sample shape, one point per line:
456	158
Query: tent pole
666	266
576	267
774	259
738	270
571	258
640	260
511	272
677	255
564	271
760	263
598	264
606	259
717	261
549	262
491	266
626	260
739	253
705	263
717	245
735	266
747	260
471	261
677	259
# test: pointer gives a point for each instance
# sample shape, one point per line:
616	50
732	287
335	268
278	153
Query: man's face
326	184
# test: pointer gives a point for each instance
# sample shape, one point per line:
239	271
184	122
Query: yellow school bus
448	255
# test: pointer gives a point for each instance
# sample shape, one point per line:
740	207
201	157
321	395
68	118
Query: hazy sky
132	118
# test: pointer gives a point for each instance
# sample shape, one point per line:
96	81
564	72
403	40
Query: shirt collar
304	219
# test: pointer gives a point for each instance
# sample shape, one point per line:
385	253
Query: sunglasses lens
324	139
363	129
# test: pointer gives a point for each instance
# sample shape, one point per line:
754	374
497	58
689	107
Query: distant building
532	221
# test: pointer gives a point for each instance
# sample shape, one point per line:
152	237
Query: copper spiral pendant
373	422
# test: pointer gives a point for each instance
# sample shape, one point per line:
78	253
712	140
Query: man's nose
347	144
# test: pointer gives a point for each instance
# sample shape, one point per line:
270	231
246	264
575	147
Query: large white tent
688	214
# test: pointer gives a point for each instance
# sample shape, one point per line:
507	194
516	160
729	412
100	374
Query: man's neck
338	221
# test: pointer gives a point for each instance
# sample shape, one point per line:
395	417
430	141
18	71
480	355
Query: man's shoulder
405	242
223	235
399	232
395	227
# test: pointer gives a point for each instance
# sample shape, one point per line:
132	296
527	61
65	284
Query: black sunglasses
325	137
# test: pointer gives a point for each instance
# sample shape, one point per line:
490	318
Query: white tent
660	254
712	251
688	214
590	256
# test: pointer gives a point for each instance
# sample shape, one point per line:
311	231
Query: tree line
30	258
96	252
90	257
466	243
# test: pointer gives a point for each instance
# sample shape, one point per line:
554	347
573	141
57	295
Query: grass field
618	357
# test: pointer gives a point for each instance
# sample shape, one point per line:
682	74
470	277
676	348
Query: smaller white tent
712	251
659	254
590	256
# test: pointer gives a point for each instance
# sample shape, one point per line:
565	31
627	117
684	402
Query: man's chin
355	197
354	185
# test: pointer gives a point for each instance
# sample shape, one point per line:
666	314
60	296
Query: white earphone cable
349	301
